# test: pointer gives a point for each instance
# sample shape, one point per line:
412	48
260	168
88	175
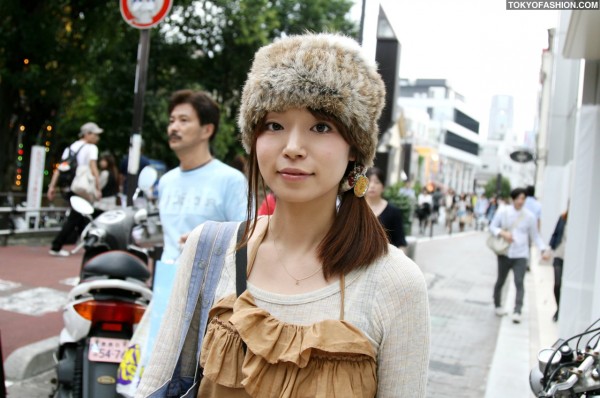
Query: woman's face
375	187
300	156
103	164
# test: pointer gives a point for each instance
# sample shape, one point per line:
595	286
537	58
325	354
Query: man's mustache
174	135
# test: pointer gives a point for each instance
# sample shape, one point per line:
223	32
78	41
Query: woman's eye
321	128
273	126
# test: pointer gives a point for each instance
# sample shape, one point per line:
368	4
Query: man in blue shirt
518	226
533	205
202	188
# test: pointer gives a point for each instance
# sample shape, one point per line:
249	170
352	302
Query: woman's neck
377	204
301	225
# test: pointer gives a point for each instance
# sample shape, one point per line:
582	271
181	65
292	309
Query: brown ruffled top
330	358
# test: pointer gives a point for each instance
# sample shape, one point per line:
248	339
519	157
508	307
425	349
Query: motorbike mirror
81	205
140	215
147	177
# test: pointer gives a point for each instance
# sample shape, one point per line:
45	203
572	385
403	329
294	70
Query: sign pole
138	114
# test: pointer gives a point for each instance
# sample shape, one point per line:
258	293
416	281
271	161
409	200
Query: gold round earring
361	186
356	179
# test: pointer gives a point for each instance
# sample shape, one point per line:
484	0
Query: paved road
460	273
33	289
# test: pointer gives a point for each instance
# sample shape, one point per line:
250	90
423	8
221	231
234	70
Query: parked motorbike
104	308
569	371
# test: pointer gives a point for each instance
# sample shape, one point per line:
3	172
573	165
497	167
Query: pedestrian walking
327	306
558	242
450	202
462	212
516	225
109	184
389	216
424	206
87	156
533	205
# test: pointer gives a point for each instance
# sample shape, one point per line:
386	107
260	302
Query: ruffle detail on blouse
283	342
222	347
331	358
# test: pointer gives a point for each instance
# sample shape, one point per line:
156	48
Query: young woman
330	309
388	215
109	175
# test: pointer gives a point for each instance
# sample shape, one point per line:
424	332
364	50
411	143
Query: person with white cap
87	155
326	306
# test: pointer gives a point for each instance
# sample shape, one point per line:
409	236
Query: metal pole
498	186
139	90
362	22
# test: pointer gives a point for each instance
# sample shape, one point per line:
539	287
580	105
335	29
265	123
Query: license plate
104	349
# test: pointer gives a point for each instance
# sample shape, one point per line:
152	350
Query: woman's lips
294	174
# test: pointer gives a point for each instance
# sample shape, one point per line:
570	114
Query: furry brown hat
326	72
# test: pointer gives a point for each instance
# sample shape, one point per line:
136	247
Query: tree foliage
65	62
491	188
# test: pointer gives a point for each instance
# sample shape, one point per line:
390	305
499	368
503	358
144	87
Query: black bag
67	169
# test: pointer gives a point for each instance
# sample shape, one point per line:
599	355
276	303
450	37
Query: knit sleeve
164	354
402	314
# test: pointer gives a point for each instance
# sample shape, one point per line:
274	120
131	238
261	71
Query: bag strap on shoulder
210	256
241	262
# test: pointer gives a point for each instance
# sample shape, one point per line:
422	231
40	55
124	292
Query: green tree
491	188
404	203
81	61
46	54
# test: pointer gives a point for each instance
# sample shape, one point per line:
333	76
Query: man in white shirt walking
518	226
87	156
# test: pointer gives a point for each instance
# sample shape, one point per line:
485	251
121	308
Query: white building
502	141
569	161
501	117
450	148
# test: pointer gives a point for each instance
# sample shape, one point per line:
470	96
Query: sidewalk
518	345
473	352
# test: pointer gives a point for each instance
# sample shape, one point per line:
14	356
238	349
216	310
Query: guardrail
24	221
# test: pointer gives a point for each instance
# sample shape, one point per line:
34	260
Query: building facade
447	153
569	161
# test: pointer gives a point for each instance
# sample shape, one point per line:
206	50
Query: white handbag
498	244
84	184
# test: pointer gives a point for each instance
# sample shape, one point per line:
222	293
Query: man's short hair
515	193
206	108
530	190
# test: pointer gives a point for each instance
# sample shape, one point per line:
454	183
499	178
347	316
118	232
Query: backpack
67	169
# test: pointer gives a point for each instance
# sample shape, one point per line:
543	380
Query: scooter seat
116	264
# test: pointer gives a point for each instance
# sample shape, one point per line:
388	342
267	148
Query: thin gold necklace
298	280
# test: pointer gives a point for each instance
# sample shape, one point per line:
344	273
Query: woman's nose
295	144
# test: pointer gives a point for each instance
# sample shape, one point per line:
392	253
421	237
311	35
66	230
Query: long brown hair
356	238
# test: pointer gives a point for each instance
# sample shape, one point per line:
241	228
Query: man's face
519	201
185	132
92	138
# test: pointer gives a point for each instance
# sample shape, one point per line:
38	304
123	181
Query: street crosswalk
35	301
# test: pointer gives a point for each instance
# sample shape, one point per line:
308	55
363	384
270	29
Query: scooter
569	370
104	308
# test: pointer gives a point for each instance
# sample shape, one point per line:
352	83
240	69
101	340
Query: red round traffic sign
144	14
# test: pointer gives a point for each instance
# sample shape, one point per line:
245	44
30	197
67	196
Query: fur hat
326	72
